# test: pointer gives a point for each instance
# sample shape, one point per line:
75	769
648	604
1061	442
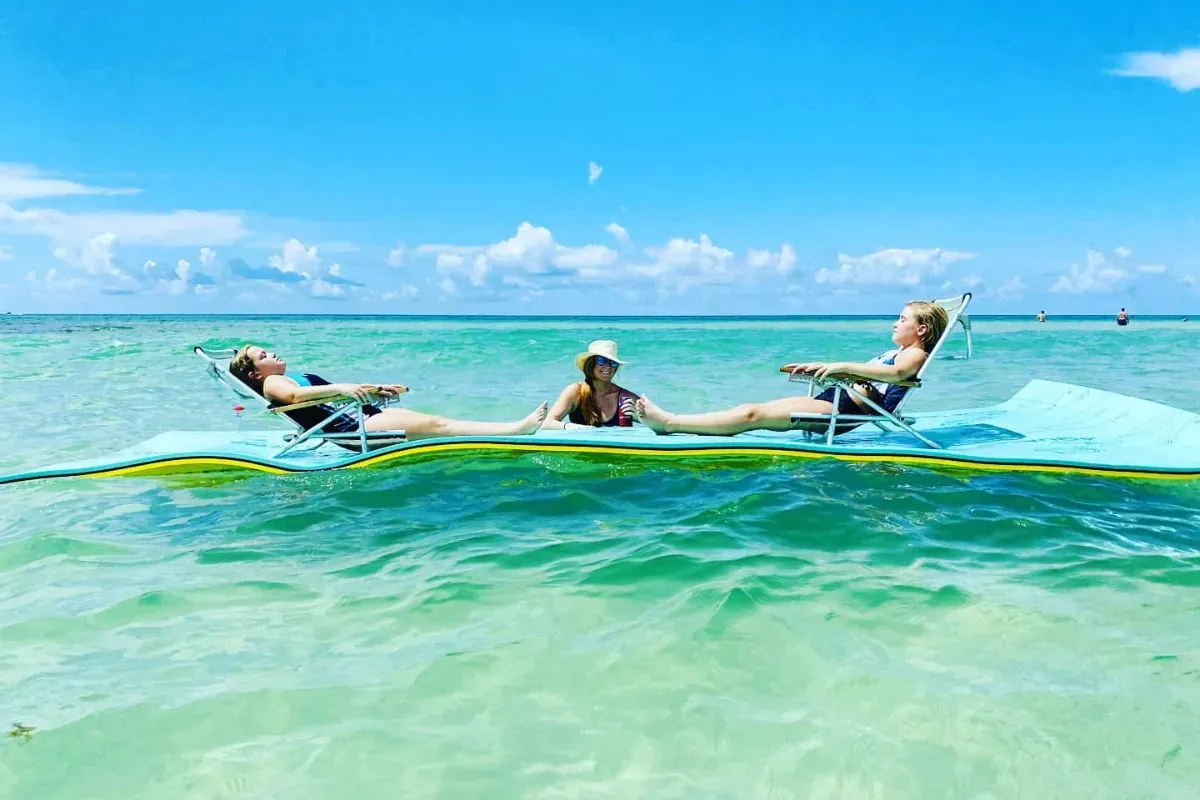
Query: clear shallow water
561	627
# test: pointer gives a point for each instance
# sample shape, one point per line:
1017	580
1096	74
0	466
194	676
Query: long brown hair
241	367
589	406
934	318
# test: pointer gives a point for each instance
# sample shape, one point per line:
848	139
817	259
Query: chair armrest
336	402
325	401
910	384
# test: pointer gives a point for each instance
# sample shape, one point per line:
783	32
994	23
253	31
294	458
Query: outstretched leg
775	415
426	426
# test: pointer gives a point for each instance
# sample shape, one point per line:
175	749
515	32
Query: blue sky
558	158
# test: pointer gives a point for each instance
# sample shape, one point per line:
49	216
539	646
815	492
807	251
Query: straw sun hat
600	347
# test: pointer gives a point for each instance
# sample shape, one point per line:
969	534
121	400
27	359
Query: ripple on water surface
554	626
550	626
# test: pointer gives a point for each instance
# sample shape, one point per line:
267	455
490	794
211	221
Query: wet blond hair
241	366
933	317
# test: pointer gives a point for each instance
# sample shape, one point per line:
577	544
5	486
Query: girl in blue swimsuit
596	401
915	334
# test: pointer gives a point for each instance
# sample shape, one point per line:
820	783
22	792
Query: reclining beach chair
956	310
216	364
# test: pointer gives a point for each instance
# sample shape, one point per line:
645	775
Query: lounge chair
956	310
216	363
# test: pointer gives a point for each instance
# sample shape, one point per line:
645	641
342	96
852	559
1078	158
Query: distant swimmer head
253	364
600	361
920	323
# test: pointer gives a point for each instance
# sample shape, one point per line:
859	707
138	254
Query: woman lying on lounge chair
264	373
916	332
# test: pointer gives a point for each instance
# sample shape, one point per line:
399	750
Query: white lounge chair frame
956	309
217	366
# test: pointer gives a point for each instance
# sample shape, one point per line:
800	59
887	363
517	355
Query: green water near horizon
555	626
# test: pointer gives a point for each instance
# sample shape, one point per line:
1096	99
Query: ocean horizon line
566	317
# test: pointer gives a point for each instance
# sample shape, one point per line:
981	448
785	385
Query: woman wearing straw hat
594	402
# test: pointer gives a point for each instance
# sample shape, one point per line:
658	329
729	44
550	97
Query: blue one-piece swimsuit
890	392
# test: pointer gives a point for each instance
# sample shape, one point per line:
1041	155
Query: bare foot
654	417
534	421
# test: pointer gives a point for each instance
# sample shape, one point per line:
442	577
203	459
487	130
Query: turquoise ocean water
563	627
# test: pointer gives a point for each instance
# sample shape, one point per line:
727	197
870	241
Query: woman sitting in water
595	401
916	332
264	372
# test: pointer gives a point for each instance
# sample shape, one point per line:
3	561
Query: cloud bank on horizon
716	214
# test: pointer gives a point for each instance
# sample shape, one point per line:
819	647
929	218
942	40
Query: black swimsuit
313	415
614	421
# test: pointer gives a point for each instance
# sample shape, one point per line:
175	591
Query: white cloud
532	251
590	256
1153	269
53	284
298	266
1180	69
594	171
297	258
532	247
479	270
396	255
965	283
1013	289
1123	252
531	260
22	182
448	262
759	258
96	256
6	253
179	284
448	287
683	263
787	259
1097	275
208	257
784	261
321	288
171	228
403	293
891	267
619	233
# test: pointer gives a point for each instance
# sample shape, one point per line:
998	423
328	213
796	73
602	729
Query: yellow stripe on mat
206	463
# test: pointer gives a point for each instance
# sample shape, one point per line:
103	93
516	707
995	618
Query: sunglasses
601	361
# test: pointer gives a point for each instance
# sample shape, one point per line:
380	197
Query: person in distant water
596	401
1041	316
916	332
264	372
1122	318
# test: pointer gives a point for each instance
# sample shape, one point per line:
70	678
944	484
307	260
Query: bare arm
564	405
908	363
285	391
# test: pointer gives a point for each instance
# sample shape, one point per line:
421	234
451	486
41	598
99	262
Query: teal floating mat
1045	427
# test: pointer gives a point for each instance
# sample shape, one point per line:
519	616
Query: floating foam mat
1045	427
